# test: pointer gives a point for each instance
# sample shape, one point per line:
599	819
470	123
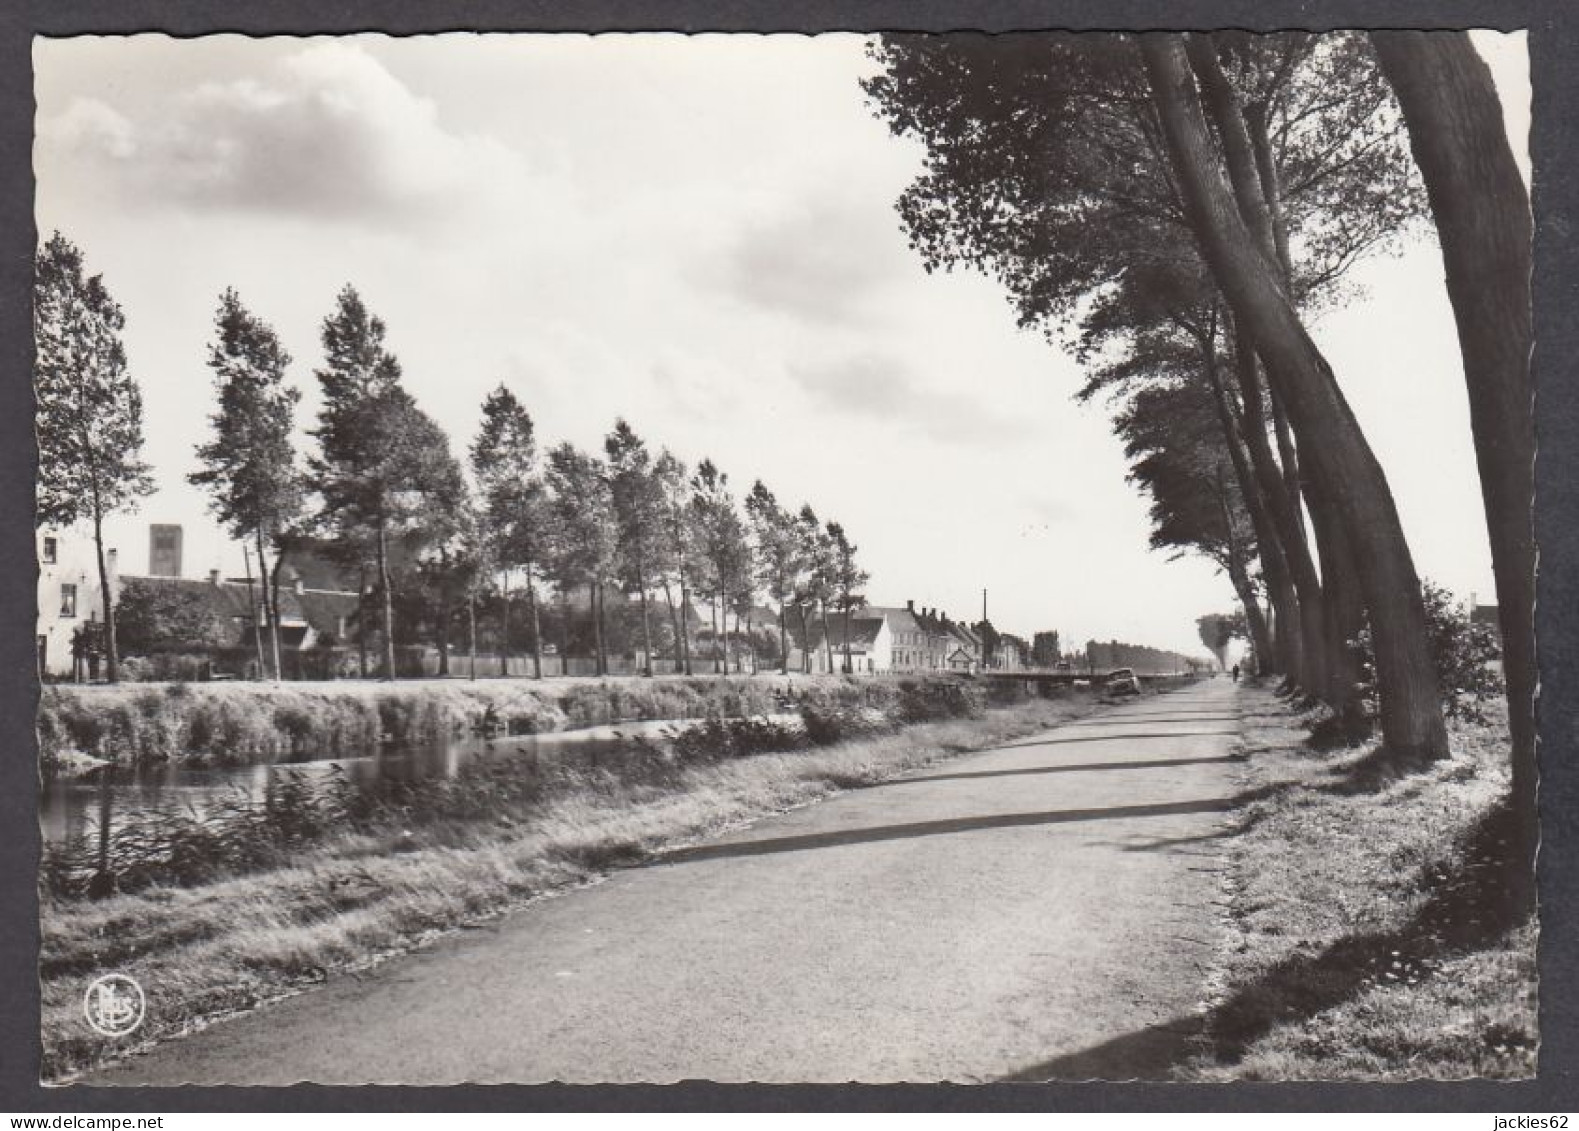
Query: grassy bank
231	944
238	723
1364	934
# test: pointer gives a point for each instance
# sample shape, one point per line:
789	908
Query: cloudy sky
695	233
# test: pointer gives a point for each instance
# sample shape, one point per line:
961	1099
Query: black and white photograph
867	557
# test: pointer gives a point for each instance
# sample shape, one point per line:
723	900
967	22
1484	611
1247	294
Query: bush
716	738
151	616
1462	652
826	725
929	700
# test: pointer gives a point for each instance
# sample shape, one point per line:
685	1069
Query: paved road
976	919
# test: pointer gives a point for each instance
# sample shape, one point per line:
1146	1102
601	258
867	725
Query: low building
178	614
965	654
908	651
234	609
869	638
1014	653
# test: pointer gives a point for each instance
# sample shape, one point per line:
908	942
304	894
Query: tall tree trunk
445	613
564	631
646	621
848	666
1309	647
1284	509
712	613
783	633
471	626
112	659
252	601
1255	117
1344	607
729	640
685	623
827	640
1342	601
1337	453
1282	654
271	606
273	585
388	600
1239	576
674	621
1288	456
1255	619
1257	208
537	624
504	646
361	621
595	607
1482	212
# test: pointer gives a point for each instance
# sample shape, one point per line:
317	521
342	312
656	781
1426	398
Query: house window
68	600
50	550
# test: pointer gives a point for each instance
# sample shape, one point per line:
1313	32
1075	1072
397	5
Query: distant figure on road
1236	673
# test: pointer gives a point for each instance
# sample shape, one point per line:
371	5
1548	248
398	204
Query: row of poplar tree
1175	209
381	484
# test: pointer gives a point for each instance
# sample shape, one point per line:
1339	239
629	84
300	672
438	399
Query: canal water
82	808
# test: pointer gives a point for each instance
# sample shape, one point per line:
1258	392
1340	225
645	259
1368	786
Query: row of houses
319	603
882	638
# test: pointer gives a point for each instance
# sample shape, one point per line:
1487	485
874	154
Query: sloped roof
235	600
321	610
222	599
900	619
316	570
864	632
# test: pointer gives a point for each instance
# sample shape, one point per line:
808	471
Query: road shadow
1072	768
1170	713
1469	912
1245	819
1146	1054
1115	738
1151	720
842	837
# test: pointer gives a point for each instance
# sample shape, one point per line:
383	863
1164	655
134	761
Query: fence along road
1002	913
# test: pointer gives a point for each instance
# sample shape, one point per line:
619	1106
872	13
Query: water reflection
90	808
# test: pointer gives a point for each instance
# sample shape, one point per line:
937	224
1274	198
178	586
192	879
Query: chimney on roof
213	577
910	606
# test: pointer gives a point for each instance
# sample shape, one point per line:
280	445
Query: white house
69	596
870	638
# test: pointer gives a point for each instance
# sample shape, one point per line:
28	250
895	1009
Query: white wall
75	564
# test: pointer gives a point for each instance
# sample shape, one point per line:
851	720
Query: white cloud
328	133
825	260
885	388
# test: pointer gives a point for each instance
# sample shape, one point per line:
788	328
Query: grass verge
238	723
207	951
1364	937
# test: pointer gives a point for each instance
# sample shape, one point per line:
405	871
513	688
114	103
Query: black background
1554	50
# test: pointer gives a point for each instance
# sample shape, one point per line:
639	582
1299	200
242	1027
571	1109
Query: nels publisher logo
114	1005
